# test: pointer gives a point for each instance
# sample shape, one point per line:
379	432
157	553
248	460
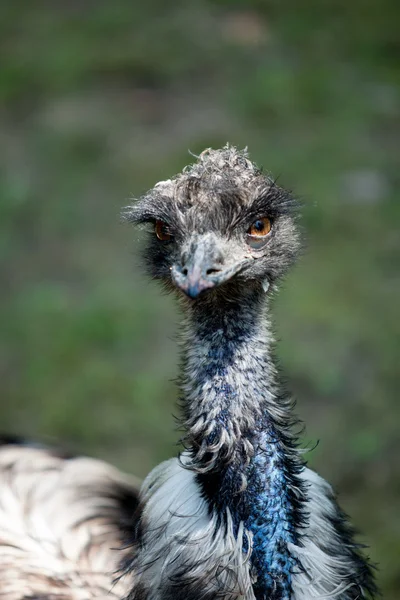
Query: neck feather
229	382
238	432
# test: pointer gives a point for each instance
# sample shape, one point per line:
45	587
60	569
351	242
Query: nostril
184	271
212	271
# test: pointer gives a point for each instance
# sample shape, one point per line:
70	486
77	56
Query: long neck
238	436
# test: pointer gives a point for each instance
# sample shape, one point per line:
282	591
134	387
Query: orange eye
162	231
260	228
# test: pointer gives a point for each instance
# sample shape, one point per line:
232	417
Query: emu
238	515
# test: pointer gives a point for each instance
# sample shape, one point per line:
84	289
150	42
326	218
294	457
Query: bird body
237	516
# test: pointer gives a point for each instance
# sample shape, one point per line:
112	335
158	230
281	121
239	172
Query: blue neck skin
236	382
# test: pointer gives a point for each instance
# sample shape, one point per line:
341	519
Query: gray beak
203	267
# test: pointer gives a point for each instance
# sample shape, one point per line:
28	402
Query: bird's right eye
162	231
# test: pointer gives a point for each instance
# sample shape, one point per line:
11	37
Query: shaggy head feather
215	201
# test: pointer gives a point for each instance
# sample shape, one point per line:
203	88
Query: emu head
219	225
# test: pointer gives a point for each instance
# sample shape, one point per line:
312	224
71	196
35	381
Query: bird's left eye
258	231
162	231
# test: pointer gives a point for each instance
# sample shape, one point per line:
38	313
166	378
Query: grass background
98	101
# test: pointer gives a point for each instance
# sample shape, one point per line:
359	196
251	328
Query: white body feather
180	531
58	537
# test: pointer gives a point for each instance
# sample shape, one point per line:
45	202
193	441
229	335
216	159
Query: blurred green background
99	100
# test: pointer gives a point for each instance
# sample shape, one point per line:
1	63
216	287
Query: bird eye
162	231
258	231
